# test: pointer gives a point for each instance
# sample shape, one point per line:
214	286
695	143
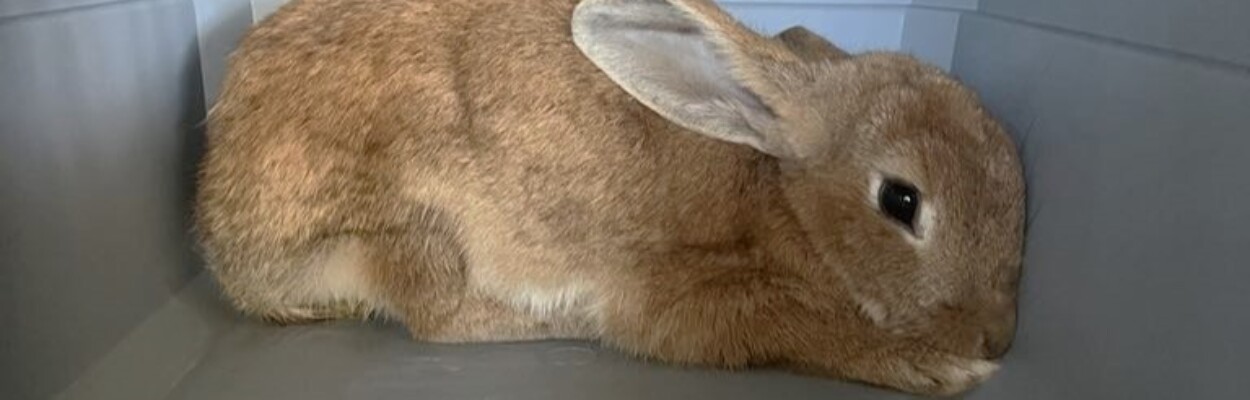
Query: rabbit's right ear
690	63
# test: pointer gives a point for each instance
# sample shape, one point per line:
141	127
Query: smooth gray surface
1136	283
153	359
96	109
220	25
13	8
1217	29
929	34
948	4
262	8
356	361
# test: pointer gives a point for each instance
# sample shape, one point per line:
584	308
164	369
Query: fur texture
467	168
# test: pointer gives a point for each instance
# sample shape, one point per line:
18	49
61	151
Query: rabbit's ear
689	62
810	46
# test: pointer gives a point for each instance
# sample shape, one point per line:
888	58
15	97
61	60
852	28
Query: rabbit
652	175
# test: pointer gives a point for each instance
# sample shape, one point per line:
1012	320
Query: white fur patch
980	369
873	309
340	275
924	223
543	295
949	375
551	302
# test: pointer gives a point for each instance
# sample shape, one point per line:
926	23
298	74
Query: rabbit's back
354	116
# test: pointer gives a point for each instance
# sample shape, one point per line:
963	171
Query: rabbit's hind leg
324	284
419	274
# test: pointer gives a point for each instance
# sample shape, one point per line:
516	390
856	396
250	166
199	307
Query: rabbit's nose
998	334
995	346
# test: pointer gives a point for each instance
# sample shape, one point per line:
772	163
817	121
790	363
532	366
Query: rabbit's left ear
810	46
691	63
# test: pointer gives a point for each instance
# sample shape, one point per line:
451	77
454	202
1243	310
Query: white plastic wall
1134	120
98	104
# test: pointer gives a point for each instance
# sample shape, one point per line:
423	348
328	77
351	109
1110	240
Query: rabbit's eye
900	201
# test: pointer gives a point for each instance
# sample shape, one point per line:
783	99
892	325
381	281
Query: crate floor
374	361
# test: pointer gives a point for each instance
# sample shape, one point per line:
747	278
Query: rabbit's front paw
943	375
928	373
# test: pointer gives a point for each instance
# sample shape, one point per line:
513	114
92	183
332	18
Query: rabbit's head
911	195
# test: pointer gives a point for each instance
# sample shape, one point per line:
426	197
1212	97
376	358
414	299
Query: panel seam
1150	49
65	9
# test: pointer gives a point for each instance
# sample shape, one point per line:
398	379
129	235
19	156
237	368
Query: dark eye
900	201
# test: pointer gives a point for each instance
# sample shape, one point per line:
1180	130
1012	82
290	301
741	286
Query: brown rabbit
650	174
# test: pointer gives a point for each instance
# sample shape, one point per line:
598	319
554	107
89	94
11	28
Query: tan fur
460	166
